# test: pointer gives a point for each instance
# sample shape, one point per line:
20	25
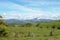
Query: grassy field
31	33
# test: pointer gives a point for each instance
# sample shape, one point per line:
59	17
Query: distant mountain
16	21
38	19
13	21
45	20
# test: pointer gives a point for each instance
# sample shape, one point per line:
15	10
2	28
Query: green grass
31	33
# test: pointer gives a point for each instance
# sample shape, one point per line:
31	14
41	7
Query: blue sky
29	9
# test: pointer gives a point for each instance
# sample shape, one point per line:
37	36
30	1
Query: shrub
53	27
3	31
51	33
37	25
28	24
58	27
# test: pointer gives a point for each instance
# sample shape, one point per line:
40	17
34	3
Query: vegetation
3	31
29	31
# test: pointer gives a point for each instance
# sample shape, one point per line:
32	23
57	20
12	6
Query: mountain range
17	21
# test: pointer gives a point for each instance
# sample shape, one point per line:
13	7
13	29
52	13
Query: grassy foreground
31	33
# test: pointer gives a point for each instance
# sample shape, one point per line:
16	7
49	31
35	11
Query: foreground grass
31	33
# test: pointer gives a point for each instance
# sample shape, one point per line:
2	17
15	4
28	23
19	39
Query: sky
29	9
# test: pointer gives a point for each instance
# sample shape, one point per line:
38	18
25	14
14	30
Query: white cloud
10	16
30	16
26	13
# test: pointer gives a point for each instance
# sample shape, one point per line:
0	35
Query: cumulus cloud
10	16
30	16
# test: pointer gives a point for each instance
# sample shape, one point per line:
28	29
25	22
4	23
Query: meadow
31	31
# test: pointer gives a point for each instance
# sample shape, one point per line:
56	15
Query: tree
0	16
3	31
2	21
3	28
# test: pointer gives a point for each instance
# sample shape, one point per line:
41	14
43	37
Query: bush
28	25
3	31
58	27
37	25
53	27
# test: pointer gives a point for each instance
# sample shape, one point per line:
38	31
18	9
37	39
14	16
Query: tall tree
1	21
